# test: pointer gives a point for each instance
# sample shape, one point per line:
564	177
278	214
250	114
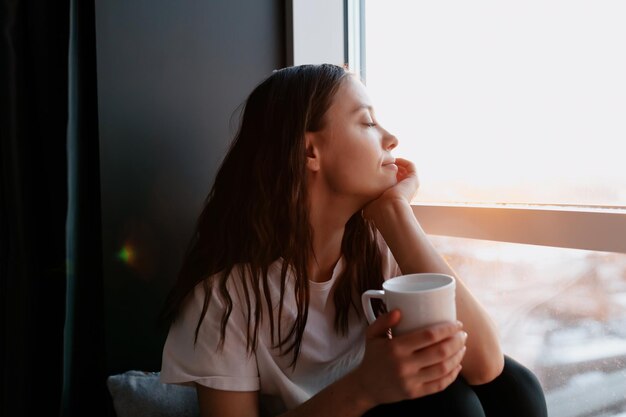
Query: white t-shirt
324	356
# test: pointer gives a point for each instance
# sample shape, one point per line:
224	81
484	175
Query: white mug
423	299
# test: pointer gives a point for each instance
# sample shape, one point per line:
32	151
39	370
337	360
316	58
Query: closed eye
370	124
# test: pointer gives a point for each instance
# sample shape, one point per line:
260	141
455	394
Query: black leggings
515	393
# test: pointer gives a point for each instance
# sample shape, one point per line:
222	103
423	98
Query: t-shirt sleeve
231	368
390	266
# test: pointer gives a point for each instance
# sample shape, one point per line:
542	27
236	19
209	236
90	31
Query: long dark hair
257	212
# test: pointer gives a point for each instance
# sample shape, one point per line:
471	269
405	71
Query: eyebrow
361	107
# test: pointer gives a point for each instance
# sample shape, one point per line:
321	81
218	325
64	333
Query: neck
328	216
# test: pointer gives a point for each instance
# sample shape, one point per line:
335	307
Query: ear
312	152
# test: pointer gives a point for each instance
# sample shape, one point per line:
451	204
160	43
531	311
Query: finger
406	169
439	385
406	164
441	369
421	338
402	173
438	352
382	324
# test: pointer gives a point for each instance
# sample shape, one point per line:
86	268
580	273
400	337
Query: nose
389	141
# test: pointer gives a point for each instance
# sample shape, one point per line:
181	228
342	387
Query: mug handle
367	305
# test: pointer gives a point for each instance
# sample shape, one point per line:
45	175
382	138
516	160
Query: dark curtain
84	388
51	325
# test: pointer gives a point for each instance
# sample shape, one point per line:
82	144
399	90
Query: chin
390	183
379	192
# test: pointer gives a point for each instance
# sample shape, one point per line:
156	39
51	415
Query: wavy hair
257	212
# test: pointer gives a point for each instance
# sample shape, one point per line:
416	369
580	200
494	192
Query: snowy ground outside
561	312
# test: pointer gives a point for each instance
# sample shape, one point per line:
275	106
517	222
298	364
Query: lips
389	162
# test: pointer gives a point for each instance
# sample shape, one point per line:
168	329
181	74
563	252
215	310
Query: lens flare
126	254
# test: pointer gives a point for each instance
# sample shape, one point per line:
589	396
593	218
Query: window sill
588	228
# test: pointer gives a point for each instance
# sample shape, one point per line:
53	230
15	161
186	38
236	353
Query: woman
308	210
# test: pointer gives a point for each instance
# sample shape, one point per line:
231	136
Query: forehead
351	96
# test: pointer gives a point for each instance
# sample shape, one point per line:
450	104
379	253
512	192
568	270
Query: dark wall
171	75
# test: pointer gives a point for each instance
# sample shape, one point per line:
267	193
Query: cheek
363	144
358	160
345	174
352	152
358	172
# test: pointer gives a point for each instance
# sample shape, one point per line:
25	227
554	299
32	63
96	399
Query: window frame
592	228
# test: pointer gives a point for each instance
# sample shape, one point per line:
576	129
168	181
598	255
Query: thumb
383	323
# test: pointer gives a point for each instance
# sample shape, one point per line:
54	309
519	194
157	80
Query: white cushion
141	394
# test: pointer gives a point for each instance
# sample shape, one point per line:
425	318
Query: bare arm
394	218
214	403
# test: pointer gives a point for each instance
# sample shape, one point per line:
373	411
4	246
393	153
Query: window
526	100
514	113
561	312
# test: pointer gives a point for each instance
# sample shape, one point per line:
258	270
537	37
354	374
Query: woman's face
354	150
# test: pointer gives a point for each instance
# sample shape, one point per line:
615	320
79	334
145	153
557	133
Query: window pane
499	101
561	312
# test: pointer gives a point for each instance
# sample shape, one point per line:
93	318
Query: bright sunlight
504	102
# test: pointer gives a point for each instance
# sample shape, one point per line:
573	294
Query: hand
412	365
404	190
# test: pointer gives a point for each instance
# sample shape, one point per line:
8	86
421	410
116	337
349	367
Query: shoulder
230	290
212	300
